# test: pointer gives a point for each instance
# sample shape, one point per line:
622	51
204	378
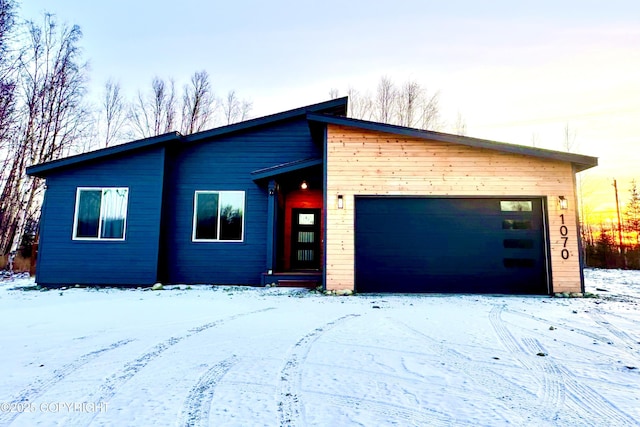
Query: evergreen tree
632	213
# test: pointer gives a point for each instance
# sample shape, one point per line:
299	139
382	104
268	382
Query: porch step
298	283
293	279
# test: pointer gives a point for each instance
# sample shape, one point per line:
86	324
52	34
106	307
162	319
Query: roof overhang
284	168
44	169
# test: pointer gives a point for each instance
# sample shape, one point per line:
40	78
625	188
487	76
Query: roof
44	169
334	106
281	169
580	161
329	112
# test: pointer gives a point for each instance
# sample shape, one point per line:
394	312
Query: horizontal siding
226	164
64	261
371	163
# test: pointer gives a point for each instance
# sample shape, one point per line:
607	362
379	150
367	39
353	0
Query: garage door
460	245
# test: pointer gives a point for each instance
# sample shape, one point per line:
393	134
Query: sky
517	72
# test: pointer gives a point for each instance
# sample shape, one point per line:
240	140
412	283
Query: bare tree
410	105
230	107
115	112
8	77
569	143
9	203
245	110
154	113
198	104
430	112
53	118
460	127
165	106
234	108
360	105
408	101
334	93
385	102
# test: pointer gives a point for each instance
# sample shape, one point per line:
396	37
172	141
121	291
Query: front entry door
305	239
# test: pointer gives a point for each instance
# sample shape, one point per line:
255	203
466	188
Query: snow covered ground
230	356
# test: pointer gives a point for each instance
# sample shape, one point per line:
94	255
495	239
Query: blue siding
226	164
134	261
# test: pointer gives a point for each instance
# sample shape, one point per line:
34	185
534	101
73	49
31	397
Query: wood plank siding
361	162
133	261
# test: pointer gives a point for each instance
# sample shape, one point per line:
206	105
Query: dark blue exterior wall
226	163
134	261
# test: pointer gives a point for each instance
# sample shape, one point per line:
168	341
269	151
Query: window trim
195	213
74	231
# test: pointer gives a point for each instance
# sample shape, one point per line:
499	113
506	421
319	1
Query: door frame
314	246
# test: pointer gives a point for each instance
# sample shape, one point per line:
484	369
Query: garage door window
518	243
514	224
516	206
519	262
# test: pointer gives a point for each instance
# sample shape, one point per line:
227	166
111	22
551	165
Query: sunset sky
517	72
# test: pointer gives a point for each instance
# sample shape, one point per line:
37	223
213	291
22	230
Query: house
310	196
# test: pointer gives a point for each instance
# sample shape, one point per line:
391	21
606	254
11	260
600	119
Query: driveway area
233	356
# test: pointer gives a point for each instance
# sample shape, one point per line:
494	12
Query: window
218	216
518	243
514	224
519	262
515	206
100	214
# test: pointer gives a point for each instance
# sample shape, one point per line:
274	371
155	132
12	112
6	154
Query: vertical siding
226	164
372	163
63	261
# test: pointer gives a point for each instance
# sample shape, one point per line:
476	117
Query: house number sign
564	231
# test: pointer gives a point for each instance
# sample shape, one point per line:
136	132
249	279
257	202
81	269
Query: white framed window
218	216
101	213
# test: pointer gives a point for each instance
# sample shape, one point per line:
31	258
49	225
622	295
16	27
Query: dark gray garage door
461	245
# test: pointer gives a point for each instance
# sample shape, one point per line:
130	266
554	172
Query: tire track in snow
504	335
627	340
109	388
41	385
288	400
552	380
196	406
589	334
495	383
627	318
548	376
601	410
395	414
